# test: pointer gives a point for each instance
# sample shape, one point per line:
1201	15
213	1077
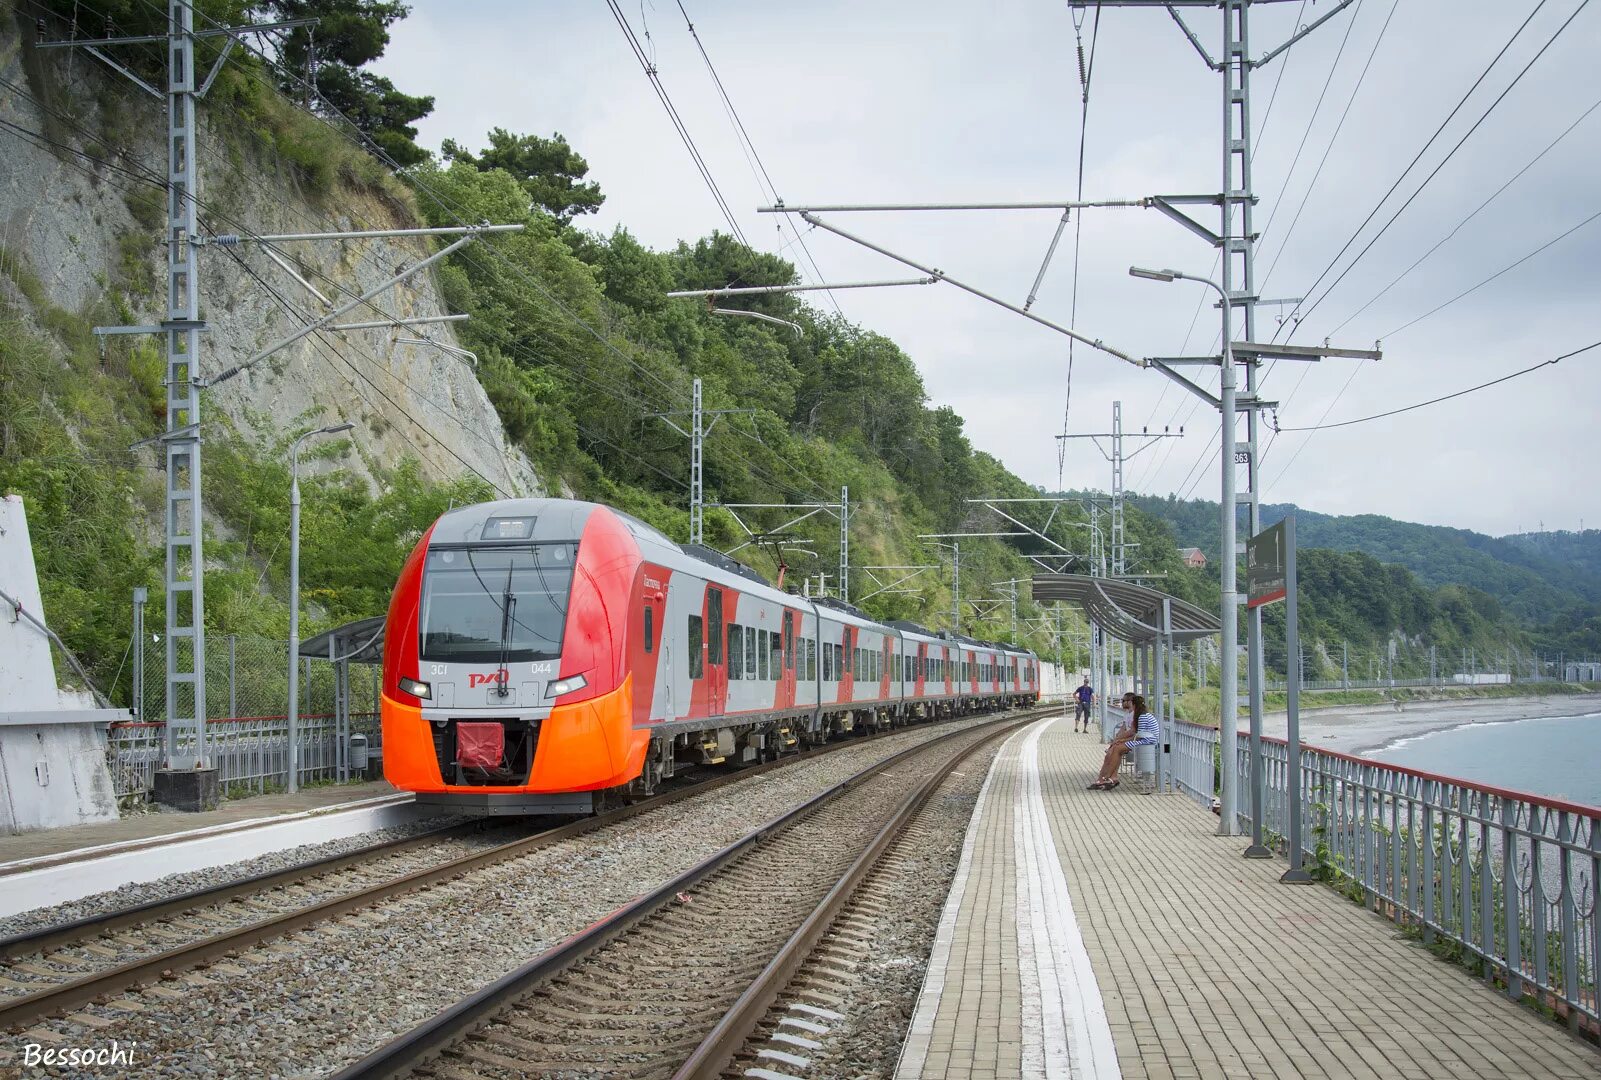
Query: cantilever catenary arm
1094	343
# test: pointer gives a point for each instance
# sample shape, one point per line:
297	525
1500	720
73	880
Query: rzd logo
475	678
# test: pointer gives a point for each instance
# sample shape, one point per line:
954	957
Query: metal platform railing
1501	878
249	752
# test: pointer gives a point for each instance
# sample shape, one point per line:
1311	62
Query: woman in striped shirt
1144	732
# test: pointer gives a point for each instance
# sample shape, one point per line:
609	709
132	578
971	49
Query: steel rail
19	1011
91	926
716	1051
415	1048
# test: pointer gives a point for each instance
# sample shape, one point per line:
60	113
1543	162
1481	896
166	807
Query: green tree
348	35
548	169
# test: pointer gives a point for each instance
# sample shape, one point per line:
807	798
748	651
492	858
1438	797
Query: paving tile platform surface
1105	934
45	842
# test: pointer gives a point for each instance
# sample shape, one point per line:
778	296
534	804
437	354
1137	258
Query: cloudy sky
899	101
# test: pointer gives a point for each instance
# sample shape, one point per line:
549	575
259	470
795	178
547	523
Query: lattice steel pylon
1236	243
1118	458
184	541
698	430
184	743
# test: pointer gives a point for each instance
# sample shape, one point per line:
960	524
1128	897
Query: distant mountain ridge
1533	575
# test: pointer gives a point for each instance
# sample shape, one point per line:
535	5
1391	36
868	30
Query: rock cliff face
73	216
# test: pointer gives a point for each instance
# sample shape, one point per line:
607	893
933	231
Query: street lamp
294	598
1228	674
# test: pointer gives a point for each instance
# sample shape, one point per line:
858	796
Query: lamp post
294	598
1228	668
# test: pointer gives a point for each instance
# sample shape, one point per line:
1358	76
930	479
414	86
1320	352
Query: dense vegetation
1539	591
577	347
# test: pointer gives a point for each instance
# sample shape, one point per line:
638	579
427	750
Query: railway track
673	984
53	971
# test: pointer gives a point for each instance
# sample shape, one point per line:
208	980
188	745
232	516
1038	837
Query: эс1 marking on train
541	652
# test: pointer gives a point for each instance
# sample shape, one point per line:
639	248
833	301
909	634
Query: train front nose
491	618
518	651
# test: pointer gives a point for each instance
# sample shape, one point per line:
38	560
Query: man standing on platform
1083	697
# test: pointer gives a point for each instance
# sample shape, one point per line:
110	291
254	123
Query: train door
786	672
716	660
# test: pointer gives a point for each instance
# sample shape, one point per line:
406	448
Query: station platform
24	851
1107	934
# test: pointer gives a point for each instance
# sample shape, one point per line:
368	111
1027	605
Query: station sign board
1267	565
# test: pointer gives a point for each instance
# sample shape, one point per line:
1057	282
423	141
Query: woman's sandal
1110	784
1099	785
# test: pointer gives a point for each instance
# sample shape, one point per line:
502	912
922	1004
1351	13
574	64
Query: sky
941	101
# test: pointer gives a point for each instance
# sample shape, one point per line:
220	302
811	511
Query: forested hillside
571	336
1544	585
579	351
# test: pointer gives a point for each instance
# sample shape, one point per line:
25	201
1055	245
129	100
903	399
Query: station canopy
359	642
1126	610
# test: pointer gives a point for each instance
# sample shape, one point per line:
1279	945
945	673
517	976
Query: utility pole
845	543
187	778
1236	242
1345	665
697	433
956	586
184	746
1116	456
141	596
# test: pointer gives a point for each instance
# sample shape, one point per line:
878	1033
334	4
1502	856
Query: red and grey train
540	651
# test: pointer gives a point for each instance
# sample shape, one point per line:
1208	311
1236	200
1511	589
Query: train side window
750	652
761	654
650	628
714	617
811	660
828	663
776	646
696	657
789	641
736	651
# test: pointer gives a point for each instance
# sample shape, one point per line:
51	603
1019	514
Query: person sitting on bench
1142	731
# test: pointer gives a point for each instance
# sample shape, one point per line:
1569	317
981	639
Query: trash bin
1145	765
358	754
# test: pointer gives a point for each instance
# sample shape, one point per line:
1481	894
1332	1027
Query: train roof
716	558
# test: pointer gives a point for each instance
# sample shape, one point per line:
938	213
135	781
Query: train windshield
499	604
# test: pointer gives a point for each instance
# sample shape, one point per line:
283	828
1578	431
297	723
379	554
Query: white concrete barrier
27	884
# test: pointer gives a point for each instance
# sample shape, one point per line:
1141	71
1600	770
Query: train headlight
416	689
566	686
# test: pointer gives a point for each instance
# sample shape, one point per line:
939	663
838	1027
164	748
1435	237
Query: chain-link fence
247	729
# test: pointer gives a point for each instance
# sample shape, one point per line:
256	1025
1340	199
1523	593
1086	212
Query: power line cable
1442	163
743	136
1086	74
1510	266
1470	216
350	131
649	67
1317	173
1320	426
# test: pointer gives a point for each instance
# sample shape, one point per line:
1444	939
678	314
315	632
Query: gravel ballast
321	998
874	976
145	892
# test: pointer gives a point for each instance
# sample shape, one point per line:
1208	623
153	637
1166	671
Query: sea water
1558	757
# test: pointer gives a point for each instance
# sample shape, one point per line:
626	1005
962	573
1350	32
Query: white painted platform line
1065	1031
920	1034
57	882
